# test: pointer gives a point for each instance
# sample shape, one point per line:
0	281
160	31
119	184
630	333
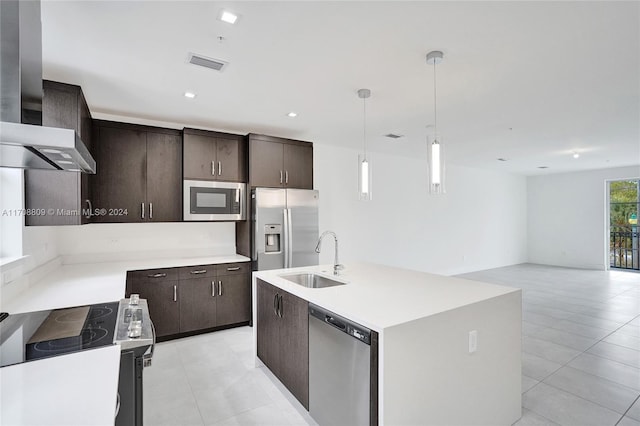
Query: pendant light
364	163
435	152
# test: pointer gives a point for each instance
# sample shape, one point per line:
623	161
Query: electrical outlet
473	341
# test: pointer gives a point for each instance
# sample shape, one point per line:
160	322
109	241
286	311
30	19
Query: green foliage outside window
624	202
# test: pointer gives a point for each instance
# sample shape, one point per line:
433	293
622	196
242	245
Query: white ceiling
564	76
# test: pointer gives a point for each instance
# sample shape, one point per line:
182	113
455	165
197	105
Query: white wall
567	217
110	241
480	223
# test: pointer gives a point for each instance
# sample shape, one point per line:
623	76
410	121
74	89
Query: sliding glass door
624	203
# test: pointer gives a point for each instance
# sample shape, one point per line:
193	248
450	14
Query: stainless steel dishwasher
339	369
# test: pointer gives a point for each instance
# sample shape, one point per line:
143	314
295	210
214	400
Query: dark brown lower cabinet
283	338
234	299
190	299
164	308
197	299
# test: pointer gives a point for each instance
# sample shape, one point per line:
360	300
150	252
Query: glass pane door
624	196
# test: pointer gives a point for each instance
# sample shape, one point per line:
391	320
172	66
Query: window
624	203
11	209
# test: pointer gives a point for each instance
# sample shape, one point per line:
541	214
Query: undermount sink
311	280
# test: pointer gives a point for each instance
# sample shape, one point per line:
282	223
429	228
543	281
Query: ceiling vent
393	136
203	61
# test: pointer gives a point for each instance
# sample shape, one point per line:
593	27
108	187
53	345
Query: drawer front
165	274
233	268
198	271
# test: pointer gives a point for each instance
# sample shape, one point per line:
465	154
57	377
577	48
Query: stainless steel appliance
24	143
210	200
31	336
339	369
136	336
35	335
285	228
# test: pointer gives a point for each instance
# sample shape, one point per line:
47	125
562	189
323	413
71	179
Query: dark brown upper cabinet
62	195
139	177
280	163
214	156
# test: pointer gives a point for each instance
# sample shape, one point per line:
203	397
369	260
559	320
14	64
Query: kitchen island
428	372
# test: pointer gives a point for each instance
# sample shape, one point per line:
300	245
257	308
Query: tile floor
580	344
210	379
580	359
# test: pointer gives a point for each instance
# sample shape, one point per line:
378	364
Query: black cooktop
19	341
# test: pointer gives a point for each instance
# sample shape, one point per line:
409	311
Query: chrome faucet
336	266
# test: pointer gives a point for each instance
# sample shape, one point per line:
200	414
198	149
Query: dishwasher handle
332	321
340	323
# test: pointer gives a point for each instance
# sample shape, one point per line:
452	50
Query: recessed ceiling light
228	17
51	151
189	95
576	155
292	114
74	170
64	162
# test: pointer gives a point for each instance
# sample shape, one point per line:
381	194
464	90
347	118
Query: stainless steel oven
136	336
210	200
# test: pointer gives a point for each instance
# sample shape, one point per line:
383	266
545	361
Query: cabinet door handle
219	288
237	268
90	213
142	204
175	293
280	306
213	289
219	168
286	176
275	304
213	168
150	210
199	271
280	176
159	275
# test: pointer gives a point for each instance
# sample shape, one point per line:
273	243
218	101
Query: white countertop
75	389
379	297
91	283
79	388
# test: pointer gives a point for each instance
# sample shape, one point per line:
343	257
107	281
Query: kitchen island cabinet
426	368
283	338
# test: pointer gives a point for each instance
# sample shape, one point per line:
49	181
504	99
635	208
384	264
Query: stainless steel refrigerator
285	228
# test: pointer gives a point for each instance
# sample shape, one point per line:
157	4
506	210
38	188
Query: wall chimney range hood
24	142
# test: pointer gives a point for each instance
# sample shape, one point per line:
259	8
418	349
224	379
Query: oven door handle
117	406
146	358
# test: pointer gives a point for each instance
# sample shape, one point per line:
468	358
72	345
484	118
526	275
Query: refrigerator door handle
290	242
285	222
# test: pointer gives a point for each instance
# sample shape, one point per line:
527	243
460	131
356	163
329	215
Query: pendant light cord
435	104
364	126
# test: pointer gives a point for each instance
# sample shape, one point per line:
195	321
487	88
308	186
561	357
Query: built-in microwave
209	200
